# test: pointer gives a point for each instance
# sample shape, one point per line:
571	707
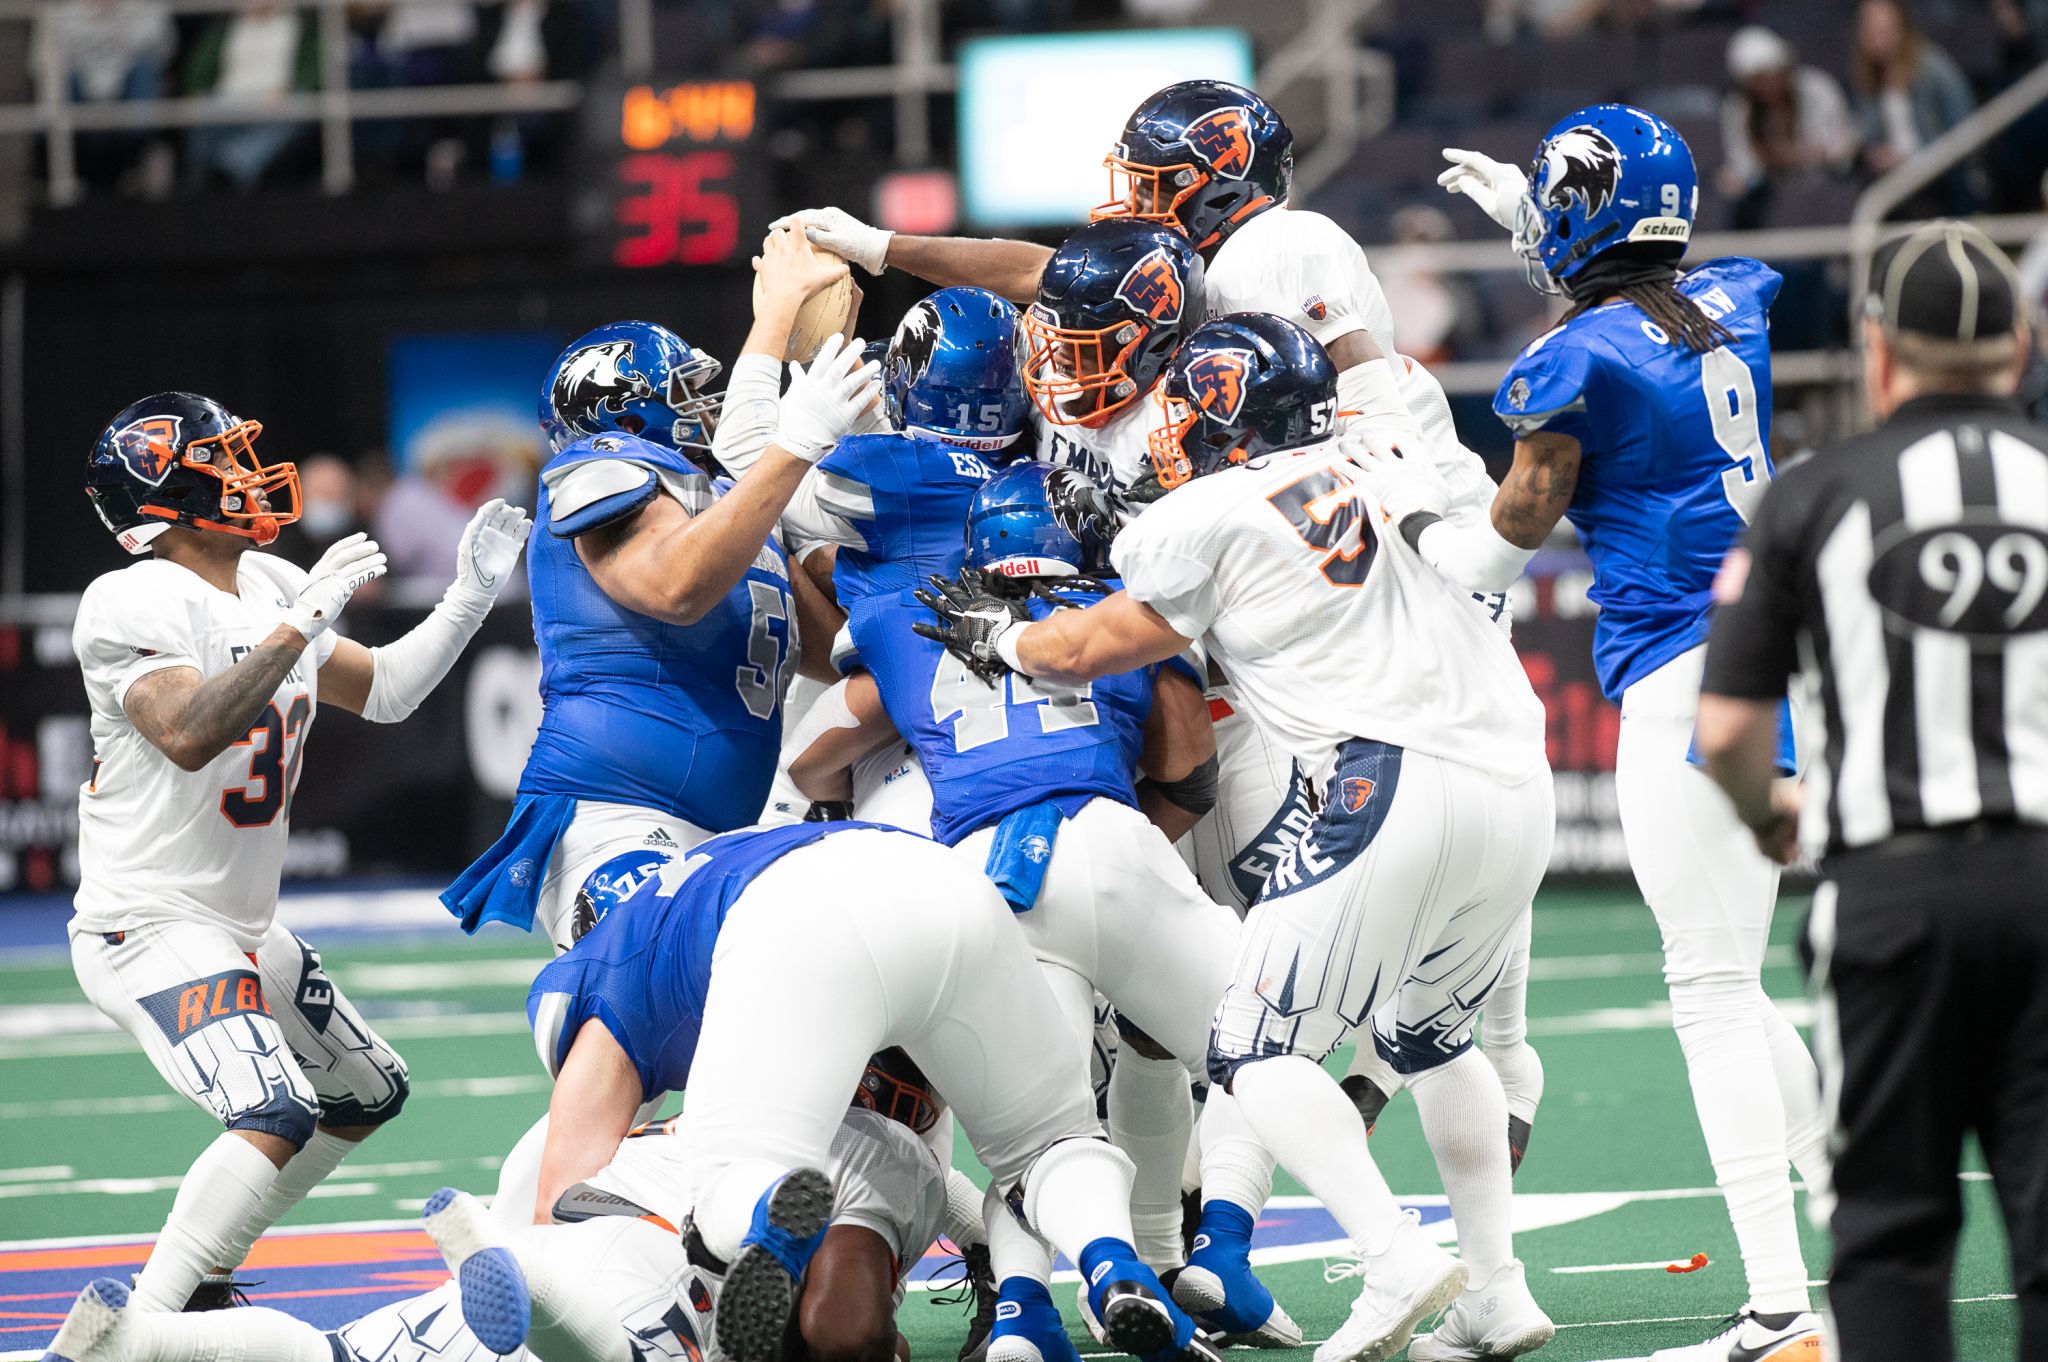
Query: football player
1421	729
1645	415
665	612
1036	786
761	971
205	665
609	1281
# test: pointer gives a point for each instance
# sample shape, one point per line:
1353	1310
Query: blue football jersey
645	969
1674	455
682	718
904	498
991	750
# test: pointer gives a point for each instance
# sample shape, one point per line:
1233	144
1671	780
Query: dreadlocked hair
1645	274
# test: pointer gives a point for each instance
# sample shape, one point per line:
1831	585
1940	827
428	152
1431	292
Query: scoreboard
677	173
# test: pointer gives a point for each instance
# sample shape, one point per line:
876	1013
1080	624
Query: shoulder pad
595	492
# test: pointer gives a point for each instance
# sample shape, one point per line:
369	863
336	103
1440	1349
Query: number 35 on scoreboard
679	178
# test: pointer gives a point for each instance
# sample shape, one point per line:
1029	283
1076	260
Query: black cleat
977	1287
1136	1320
217	1293
1190	1220
1518	1143
1367	1097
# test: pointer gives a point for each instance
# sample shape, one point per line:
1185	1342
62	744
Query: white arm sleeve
1369	394
408	669
1472	556
747	418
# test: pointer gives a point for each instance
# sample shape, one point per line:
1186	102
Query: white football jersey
155	842
883	1179
1304	267
1329	628
1115	454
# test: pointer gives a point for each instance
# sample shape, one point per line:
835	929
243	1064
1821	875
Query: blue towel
1788	755
1021	852
503	884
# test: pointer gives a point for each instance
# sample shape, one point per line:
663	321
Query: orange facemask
249	490
1056	357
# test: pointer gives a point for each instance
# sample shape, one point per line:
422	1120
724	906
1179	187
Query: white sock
725	1208
215	1202
1504	1031
1300	1113
1235	1166
963	1223
1465	1118
573	1320
1734	1089
1079	1191
251	1334
1151	1117
1013	1250
305	1170
1366	1063
1806	1126
519	1176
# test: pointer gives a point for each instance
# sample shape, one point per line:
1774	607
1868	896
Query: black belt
1922	841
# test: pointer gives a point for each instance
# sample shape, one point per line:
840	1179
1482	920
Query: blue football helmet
1113	304
182	459
1038	520
1202	157
1245	384
632	378
1605	176
951	371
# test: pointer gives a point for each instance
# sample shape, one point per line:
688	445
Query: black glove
970	620
1049	590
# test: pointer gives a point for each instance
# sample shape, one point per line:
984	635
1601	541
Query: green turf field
91	1143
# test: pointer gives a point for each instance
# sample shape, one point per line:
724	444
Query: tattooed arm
1537	489
191	719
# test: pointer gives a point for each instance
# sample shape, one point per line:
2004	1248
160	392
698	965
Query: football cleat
976	1287
1750	1337
217	1293
1399	1287
1518	1143
1219	1289
1027	1326
1496	1319
92	1331
760	1289
496	1304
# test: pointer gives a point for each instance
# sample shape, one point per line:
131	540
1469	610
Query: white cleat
95	1329
1746	1337
1496	1319
1088	1320
1400	1287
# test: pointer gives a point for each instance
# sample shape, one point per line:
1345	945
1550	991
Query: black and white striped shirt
1903	577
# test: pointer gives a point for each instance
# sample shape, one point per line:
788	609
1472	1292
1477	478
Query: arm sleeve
748	416
1165	567
1754	647
119	638
406	670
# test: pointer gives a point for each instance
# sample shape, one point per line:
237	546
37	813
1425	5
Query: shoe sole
496	1304
1436	1299
94	1315
759	1294
1491	1350
1138	1325
1087	1313
1200	1292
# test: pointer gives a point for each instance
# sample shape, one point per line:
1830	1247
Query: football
824	313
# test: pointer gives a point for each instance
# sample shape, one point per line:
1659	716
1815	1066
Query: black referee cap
1946	295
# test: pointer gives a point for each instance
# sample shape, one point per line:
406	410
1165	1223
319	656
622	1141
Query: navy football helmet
1113	304
951	371
634	378
1245	384
1605	176
183	459
1038	520
1201	156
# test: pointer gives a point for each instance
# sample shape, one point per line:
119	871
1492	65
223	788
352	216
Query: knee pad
352	1111
286	1115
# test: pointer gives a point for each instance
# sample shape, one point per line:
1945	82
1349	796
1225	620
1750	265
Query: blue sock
1226	1226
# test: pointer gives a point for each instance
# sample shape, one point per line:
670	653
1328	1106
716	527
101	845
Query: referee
1902	579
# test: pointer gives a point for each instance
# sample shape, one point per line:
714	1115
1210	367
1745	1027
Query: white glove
346	566
489	550
1496	187
825	401
1401	486
843	234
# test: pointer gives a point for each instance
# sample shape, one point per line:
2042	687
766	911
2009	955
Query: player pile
1187	746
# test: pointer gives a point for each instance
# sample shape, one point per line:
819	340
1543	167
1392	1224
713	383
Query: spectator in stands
1908	92
459	460
1783	122
255	58
110	50
328	509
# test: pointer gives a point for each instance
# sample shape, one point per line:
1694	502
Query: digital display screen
1038	114
680	180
